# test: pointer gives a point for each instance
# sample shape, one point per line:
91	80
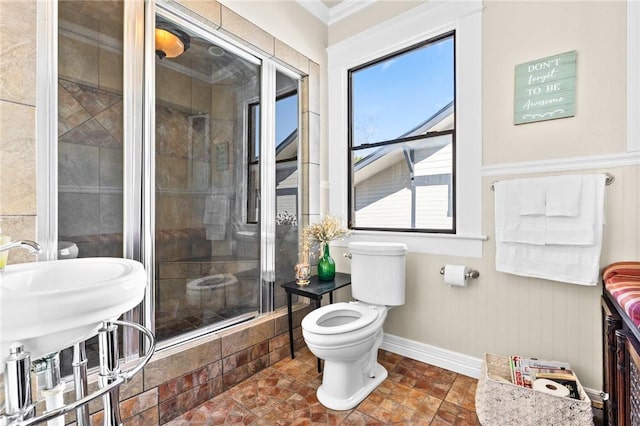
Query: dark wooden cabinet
633	383
611	323
621	357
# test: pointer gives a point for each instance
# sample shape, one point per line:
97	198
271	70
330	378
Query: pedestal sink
49	306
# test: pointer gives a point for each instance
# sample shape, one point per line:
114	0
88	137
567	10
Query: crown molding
347	8
317	9
331	15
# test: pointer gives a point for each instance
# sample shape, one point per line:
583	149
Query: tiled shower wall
89	167
186	142
17	122
90	174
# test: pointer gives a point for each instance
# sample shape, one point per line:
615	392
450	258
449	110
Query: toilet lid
339	318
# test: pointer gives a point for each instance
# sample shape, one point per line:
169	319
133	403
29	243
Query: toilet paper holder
471	273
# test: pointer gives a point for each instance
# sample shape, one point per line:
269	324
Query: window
357	153
253	178
287	154
402	140
286	128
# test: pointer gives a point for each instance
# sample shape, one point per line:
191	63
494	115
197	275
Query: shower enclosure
208	194
196	175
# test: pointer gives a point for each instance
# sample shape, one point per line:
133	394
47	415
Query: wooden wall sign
545	89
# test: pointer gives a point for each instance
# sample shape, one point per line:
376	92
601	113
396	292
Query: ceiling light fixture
170	42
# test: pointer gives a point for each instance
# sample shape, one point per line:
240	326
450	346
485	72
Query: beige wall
507	314
597	31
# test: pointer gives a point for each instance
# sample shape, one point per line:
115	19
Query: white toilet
347	335
211	289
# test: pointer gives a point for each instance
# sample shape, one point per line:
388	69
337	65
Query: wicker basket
500	402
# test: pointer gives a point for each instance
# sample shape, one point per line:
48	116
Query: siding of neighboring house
384	199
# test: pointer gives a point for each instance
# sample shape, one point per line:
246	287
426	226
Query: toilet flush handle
347	255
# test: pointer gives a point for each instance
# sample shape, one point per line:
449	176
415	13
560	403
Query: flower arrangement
328	229
286	218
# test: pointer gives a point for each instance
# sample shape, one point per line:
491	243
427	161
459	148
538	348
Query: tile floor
415	393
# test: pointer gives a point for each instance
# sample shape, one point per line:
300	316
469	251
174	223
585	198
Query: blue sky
286	117
396	95
286	120
392	96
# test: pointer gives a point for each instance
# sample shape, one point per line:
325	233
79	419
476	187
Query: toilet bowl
347	335
207	288
67	250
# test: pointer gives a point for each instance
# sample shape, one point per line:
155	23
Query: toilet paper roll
550	387
455	275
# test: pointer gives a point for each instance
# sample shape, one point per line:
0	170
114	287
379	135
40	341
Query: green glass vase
326	266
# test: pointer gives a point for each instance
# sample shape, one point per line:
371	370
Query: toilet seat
211	282
340	318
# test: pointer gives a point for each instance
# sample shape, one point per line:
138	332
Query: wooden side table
314	290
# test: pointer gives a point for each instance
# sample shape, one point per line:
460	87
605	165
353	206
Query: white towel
528	230
215	232
531	197
563	195
518	228
216	216
577	225
565	263
569	231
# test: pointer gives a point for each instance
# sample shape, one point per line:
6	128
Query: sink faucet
32	246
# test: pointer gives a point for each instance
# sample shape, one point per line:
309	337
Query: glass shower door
206	241
90	136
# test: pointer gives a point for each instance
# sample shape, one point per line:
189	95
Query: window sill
441	244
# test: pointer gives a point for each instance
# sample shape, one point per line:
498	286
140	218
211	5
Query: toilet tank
378	272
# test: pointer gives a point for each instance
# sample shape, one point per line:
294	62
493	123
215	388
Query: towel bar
608	180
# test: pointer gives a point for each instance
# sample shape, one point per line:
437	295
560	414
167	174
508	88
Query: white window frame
418	24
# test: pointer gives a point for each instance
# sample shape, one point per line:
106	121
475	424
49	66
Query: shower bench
314	290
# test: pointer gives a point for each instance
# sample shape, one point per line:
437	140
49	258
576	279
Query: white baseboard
452	361
443	358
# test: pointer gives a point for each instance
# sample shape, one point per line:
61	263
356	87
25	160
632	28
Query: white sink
49	306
